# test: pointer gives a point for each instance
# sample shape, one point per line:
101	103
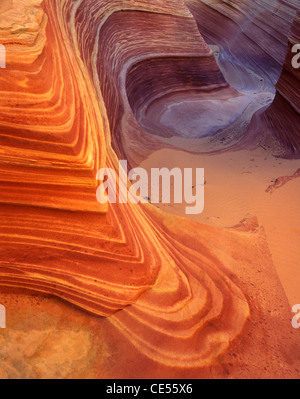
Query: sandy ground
235	189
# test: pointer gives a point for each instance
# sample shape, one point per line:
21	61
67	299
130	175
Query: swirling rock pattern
253	40
251	35
281	120
81	77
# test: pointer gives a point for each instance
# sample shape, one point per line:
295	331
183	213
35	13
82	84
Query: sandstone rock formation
281	120
83	86
251	34
254	40
55	136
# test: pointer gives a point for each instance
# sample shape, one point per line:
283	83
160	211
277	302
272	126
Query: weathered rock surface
83	85
282	119
251	36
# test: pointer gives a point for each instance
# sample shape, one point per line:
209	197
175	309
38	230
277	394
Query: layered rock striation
251	37
63	103
281	120
82	83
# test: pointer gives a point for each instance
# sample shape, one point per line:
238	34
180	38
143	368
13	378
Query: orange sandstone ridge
155	295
